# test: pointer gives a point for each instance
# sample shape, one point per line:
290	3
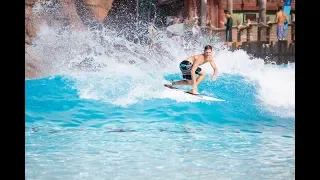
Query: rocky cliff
77	14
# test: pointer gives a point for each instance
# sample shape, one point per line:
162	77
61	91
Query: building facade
214	9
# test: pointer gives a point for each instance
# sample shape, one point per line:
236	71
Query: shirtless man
190	67
280	18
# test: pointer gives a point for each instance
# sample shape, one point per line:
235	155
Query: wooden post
268	32
293	28
293	52
262	10
203	12
221	15
248	33
282	51
239	35
230	6
259	33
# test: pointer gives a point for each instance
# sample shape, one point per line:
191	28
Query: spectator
228	26
280	19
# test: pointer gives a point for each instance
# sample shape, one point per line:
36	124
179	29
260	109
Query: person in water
280	19
190	67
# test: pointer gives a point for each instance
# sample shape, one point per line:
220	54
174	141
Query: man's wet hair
208	47
279	7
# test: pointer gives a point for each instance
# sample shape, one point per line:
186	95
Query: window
252	17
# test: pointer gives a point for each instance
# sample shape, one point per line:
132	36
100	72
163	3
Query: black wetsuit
185	67
229	29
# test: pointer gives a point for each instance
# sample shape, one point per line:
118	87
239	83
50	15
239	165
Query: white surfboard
203	97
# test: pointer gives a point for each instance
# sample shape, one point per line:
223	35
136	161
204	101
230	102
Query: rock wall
73	13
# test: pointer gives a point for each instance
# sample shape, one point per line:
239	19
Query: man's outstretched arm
215	69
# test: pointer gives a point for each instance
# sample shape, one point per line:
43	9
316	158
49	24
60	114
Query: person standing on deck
228	26
280	19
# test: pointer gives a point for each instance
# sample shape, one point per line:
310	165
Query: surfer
280	20
190	67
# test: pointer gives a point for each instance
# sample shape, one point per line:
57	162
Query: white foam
276	84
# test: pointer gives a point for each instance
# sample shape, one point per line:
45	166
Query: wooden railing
261	41
257	32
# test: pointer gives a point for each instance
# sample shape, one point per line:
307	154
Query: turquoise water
158	138
110	117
